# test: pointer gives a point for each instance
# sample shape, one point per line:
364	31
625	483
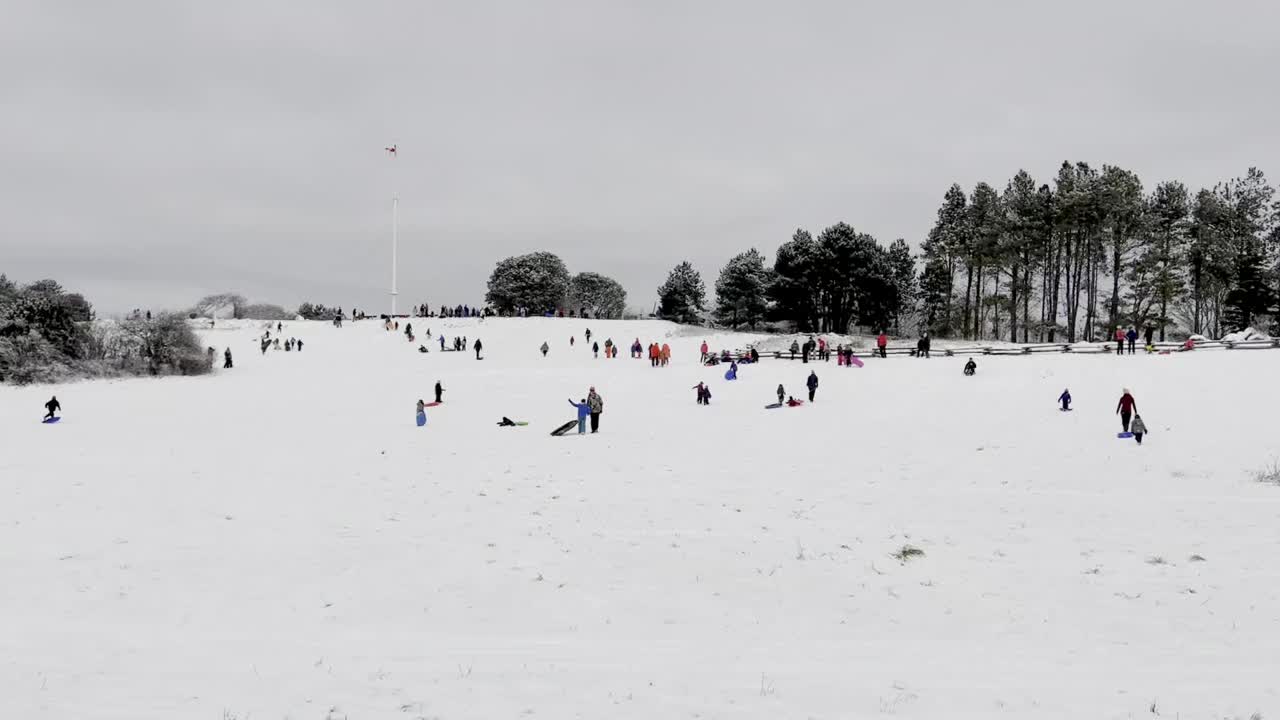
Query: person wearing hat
596	404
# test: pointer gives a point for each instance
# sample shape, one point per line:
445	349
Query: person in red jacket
1120	344
704	351
1126	408
882	342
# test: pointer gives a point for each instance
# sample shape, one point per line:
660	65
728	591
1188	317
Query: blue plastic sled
50	421
1124	435
422	419
730	375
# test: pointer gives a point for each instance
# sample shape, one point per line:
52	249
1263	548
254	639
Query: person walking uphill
1126	408
596	404
439	392
782	394
478	347
1139	428
812	384
584	412
226	364
545	347
53	406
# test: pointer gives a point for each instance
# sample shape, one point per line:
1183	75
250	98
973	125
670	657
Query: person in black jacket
478	348
970	367
439	392
922	347
812	384
226	364
53	406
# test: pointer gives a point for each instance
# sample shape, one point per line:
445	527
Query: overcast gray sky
153	152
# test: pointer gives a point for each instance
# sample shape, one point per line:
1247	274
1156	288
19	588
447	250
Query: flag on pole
391	150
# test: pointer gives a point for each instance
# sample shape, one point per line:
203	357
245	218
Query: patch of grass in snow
1270	474
907	552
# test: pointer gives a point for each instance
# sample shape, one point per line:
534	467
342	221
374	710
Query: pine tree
792	289
682	297
903	268
741	290
1158	278
1122	212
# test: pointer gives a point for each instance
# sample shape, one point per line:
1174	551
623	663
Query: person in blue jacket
584	412
1065	399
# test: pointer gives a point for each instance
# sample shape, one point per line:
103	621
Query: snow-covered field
280	540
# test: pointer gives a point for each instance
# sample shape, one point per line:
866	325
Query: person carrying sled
732	372
1126	408
53	406
584	412
1138	428
971	367
812	384
1065	399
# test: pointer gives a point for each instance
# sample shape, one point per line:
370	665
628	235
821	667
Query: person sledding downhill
1126	408
792	402
53	406
971	367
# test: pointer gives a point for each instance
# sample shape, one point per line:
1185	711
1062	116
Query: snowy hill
280	539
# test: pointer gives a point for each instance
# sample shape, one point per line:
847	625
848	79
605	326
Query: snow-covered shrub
30	358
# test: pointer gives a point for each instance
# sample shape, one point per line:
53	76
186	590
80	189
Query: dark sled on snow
564	428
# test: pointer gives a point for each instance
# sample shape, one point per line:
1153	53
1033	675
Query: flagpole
395	232
395	212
